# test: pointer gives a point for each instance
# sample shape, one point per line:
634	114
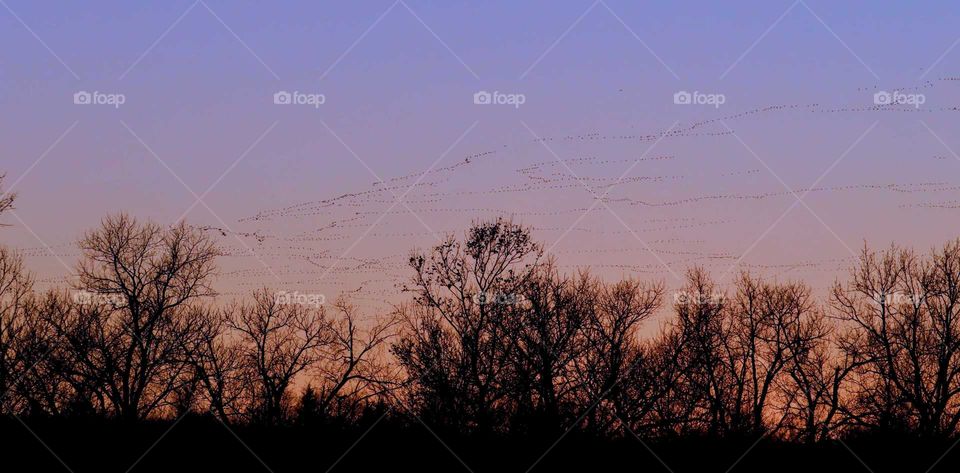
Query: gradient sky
399	79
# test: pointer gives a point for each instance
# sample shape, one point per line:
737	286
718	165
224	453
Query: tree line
492	339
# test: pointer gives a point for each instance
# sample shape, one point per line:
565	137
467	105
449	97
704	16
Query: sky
787	166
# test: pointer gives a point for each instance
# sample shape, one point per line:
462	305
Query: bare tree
278	342
654	399
127	334
495	339
701	330
16	287
6	198
907	338
767	325
459	334
740	352
818	387
217	359
354	367
615	349
56	384
550	340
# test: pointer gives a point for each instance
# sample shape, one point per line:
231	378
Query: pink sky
198	130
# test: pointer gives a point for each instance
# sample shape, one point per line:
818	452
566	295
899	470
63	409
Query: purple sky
696	184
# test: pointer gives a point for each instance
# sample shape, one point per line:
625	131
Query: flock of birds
656	220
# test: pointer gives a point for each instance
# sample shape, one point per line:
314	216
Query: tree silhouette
818	385
768	325
126	340
495	340
278	342
6	198
219	366
906	338
459	334
550	340
739	353
614	348
353	369
16	325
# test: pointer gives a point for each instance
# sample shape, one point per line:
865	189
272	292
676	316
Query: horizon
279	219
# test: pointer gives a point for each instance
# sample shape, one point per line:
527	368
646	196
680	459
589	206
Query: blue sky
398	78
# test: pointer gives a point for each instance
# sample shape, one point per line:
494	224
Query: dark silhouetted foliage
494	359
